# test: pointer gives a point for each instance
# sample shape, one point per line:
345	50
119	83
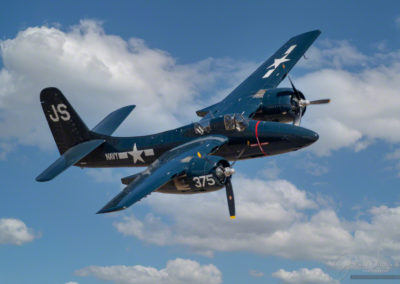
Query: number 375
202	181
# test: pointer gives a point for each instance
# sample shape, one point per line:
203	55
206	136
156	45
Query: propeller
229	171
302	103
224	173
230	198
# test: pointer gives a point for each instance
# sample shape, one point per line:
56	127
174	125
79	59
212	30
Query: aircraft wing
246	97
161	171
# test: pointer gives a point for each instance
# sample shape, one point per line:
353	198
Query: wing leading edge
169	165
267	76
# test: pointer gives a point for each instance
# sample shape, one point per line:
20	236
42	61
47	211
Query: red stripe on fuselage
258	140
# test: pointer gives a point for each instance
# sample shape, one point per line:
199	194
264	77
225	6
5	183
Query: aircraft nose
304	137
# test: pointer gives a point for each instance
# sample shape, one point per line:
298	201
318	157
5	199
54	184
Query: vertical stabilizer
67	127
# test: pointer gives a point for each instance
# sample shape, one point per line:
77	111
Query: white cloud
364	93
304	276
15	232
178	271
364	107
273	218
99	73
311	167
71	282
270	170
333	53
256	273
333	135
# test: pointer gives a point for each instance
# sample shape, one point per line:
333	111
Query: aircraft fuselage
259	138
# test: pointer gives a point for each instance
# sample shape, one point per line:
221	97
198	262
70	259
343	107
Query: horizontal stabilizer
111	122
69	158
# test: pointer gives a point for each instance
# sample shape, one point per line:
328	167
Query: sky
317	215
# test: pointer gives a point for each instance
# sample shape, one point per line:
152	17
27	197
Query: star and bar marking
279	61
136	154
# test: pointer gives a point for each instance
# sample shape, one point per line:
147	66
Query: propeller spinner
302	104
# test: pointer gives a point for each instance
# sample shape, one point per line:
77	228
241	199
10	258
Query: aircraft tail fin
74	140
67	127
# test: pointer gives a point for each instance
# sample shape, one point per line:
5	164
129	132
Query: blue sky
314	216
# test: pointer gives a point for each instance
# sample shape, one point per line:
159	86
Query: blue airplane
256	119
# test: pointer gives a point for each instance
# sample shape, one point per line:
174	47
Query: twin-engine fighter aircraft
252	121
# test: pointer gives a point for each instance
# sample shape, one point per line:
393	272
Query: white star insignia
136	154
278	61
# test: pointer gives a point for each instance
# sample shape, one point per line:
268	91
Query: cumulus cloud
270	170
98	73
14	232
273	218
333	53
364	105
364	93
304	276
178	271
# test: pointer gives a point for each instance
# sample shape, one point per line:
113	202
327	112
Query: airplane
256	119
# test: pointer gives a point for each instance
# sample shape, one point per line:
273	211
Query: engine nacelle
278	105
207	173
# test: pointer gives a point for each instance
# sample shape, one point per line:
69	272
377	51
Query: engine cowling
207	173
278	105
204	173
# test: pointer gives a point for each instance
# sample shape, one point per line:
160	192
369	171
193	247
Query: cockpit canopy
229	122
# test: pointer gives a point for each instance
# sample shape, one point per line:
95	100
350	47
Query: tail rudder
74	140
67	127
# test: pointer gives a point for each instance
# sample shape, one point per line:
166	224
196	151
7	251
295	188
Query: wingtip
314	33
106	209
130	107
41	178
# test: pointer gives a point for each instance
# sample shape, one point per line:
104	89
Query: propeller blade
319	102
297	94
230	198
297	119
